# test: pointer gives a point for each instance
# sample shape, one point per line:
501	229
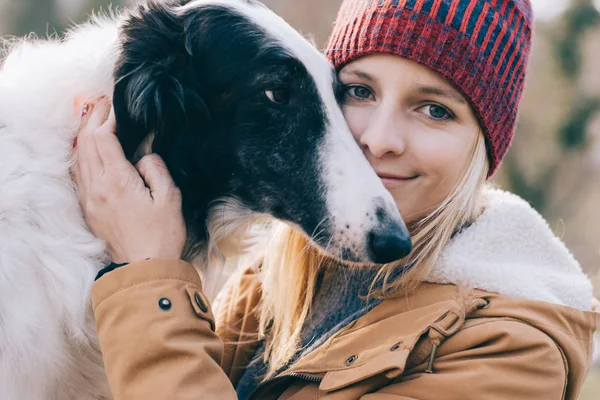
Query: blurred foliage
38	16
573	133
578	19
47	17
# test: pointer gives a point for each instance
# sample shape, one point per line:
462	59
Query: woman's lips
392	181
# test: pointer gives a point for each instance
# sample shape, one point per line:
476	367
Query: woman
489	305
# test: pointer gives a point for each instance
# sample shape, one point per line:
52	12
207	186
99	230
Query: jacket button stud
396	346
201	302
351	360
165	304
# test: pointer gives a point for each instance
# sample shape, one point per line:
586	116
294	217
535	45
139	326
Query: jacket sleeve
156	333
505	359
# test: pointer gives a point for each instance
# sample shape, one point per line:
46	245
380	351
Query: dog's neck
234	233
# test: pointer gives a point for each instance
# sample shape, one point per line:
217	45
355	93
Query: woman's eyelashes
357	92
432	110
437	112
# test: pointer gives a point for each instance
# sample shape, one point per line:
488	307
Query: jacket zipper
306	377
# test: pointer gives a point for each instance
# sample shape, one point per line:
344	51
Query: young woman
490	304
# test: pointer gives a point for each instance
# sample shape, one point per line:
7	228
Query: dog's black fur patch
197	82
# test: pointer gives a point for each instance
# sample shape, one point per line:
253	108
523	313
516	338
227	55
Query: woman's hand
135	210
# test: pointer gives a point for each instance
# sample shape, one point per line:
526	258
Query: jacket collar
511	250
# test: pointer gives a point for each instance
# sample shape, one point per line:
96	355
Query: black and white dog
244	112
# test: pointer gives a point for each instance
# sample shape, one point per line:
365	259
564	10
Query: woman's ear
156	90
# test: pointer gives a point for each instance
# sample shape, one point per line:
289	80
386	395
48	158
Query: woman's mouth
391	181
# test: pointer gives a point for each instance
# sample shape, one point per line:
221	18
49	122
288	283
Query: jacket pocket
391	364
397	353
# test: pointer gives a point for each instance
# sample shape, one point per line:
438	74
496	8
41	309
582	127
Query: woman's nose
385	135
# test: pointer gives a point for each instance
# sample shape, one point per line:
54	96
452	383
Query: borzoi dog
244	112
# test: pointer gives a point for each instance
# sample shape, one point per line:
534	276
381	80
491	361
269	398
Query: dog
245	113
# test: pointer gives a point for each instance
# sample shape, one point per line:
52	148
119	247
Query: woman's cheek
440	161
441	152
357	120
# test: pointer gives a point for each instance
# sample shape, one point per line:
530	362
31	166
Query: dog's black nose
390	244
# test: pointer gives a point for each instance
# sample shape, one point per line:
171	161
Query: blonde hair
291	263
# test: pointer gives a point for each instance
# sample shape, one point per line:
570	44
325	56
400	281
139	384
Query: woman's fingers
100	113
108	145
81	170
89	163
77	166
154	171
136	222
119	174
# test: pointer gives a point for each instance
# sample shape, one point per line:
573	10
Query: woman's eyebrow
360	74
440	91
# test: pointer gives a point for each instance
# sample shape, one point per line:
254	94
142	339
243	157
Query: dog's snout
389	244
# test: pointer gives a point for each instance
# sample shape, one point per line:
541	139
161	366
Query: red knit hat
481	46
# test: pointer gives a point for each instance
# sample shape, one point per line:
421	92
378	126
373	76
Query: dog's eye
278	96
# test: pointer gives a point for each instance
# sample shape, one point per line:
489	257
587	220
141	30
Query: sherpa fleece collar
511	250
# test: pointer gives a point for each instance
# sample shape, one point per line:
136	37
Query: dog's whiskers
314	236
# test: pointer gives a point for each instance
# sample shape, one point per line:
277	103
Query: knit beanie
480	46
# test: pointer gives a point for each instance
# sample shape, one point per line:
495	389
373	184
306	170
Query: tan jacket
490	346
158	337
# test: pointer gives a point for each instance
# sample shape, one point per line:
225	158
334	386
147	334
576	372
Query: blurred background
555	160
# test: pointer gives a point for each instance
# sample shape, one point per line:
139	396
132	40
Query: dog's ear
156	91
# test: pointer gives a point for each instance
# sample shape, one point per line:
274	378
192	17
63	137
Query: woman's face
414	127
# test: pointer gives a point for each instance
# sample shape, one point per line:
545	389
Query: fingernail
85	110
99	113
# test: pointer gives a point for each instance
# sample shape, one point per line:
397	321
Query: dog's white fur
48	257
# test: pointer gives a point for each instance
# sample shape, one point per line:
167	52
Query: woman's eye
359	92
278	96
437	112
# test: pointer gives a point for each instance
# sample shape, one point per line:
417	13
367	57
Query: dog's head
240	106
